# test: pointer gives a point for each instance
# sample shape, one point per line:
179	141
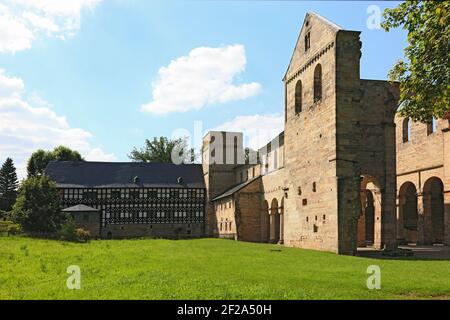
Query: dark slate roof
86	174
235	189
80	208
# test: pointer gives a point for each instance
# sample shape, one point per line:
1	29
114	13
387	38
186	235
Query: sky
101	76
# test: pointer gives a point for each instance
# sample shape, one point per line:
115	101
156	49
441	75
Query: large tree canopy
425	75
40	158
163	150
37	207
8	185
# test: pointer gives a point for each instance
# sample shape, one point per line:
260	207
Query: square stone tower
222	152
330	150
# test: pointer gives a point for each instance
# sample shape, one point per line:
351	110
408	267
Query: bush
10	228
70	232
83	235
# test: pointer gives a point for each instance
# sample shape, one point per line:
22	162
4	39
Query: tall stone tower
325	148
221	153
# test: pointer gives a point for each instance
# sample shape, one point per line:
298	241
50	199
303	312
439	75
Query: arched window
318	83
298	97
406	130
431	127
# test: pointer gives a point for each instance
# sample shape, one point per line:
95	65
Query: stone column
420	220
379	220
446	134
281	241
400	229
427	222
446	217
361	227
272	227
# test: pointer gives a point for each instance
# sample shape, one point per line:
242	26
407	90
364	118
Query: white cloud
258	129
204	77
25	128
22	21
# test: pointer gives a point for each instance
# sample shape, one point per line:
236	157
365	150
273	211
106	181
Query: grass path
205	269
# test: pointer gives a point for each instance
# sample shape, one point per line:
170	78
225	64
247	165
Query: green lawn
205	269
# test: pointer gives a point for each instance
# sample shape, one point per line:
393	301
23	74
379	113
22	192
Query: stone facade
331	182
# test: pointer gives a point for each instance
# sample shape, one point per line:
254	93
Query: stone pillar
446	217
281	241
446	134
427	221
379	220
361	231
272	227
400	213
420	220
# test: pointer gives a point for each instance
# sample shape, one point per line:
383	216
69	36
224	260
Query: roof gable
235	189
319	22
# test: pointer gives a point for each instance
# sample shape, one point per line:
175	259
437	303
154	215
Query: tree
37	207
8	185
164	150
425	76
40	159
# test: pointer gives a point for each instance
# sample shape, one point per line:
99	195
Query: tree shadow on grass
408	252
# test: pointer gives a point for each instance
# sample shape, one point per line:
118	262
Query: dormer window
307	41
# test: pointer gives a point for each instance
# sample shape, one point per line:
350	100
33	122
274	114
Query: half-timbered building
135	199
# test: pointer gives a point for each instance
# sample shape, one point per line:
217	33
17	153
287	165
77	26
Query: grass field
205	269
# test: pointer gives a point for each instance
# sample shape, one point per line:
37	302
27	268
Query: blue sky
91	66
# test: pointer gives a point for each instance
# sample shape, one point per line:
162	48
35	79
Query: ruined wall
375	159
423	157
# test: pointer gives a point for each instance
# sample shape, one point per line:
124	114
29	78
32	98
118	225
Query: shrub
82	235
9	228
14	229
68	230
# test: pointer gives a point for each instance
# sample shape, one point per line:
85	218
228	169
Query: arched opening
370	218
366	221
406	130
265	222
433	205
274	222
408	217
298	97
369	222
318	83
